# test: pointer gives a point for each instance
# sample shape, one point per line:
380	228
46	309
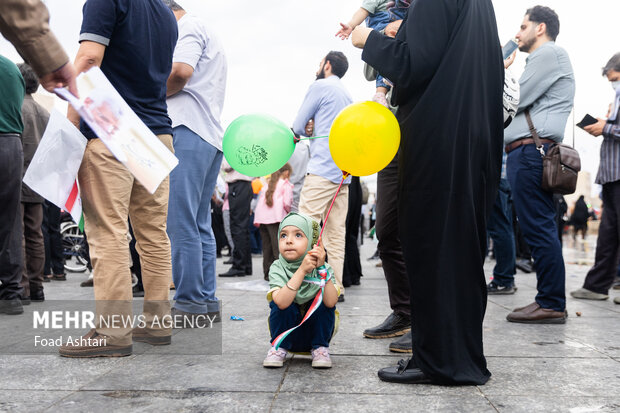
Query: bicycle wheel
73	248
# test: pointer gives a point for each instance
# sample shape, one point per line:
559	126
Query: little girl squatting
292	291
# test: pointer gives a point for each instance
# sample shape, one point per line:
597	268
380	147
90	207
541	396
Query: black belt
10	135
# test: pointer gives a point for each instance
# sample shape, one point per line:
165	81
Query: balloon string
344	176
313	137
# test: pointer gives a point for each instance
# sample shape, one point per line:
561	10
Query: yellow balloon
364	138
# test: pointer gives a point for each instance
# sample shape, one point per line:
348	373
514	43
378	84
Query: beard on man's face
527	43
321	73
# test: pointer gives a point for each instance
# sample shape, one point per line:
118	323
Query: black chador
446	65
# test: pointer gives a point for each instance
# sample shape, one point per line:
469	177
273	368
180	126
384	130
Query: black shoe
137	292
495	289
403	373
524	265
233	272
25	300
341	298
403	345
12	306
228	261
37	296
87	283
59	277
374	256
394	325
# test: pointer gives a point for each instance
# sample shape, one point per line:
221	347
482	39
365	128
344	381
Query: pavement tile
356	374
165	401
30	400
52	372
387	403
227	373
554	404
558	376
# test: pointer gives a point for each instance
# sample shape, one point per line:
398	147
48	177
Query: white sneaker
321	359
275	358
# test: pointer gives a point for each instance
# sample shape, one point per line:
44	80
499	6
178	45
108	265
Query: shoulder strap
532	129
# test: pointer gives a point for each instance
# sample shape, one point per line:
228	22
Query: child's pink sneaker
275	358
321	359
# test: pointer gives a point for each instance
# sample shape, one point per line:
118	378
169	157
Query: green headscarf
281	271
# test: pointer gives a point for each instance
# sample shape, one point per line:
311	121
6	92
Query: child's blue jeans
314	333
378	21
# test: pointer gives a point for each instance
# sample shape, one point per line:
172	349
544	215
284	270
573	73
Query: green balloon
257	144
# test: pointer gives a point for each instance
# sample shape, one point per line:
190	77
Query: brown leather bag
561	164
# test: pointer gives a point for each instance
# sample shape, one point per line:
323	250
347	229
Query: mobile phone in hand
508	48
587	121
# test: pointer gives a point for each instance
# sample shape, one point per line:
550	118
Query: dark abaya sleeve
411	59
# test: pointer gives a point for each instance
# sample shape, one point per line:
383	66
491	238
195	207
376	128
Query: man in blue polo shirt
133	42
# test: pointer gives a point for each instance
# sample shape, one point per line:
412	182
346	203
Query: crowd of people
456	181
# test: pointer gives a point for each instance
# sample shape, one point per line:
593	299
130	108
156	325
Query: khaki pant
110	195
316	197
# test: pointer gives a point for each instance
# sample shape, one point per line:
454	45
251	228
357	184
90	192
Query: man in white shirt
196	88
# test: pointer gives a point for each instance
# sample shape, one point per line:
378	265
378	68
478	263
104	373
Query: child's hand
345	31
319	252
309	263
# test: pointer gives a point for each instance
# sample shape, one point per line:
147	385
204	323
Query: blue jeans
500	230
189	222
536	212
314	333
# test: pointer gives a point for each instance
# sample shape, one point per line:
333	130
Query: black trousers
136	266
352	270
390	249
239	199
11	264
271	248
601	275
54	258
217	224
33	247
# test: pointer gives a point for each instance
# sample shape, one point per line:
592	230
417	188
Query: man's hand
510	60
345	31
359	36
596	129
309	129
65	76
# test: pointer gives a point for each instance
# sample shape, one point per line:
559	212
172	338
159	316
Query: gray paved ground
563	368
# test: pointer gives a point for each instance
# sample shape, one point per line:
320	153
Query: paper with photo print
120	129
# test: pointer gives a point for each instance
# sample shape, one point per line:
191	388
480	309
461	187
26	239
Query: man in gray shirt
547	90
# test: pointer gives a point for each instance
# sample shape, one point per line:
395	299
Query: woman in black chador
447	70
